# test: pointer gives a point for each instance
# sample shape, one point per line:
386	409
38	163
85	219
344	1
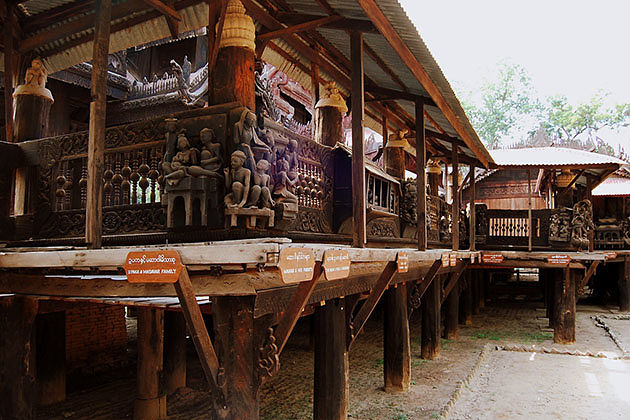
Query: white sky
574	48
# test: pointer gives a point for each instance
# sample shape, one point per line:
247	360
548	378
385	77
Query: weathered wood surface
421	187
455	216
564	306
431	320
174	351
331	371
396	340
359	232
150	401
466	300
233	77
624	284
50	349
451	322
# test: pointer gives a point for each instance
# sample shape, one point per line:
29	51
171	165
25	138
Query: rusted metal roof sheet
615	186
551	157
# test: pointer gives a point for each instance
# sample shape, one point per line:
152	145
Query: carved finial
332	98
398	139
35	81
238	28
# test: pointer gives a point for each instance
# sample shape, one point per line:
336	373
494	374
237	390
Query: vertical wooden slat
421	188
455	194
96	142
359	234
472	236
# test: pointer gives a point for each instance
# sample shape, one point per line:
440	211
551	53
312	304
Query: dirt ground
459	384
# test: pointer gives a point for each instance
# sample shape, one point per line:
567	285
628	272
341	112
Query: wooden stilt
421	187
481	284
50	345
452	314
331	386
96	138
474	285
466	309
397	347
174	351
431	320
624	285
455	193
359	233
17	388
9	70
547	285
472	236
234	332
564	324
150	401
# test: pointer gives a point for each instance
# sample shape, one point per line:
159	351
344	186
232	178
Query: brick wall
96	337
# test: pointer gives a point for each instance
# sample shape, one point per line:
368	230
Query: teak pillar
17	387
96	137
397	346
329	112
50	345
455	193
452	313
359	233
233	72
472	235
564	306
174	351
32	104
431	320
421	188
331	368
624	284
150	401
9	68
238	356
466	298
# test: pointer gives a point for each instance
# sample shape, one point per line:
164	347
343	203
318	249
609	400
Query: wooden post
431	320
421	187
564	324
472	236
455	193
314	84
530	225
174	351
216	20
624	284
384	131
9	70
452	314
17	314
474	285
396	345
359	234
546	279
96	137
150	399
589	197
331	386
238	353
466	301
50	342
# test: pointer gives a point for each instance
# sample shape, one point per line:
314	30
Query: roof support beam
172	17
297	28
216	18
381	22
292	18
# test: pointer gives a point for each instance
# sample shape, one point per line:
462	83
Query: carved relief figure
581	224
210	161
237	181
36	75
559	226
408	212
171	144
284	184
182	161
245	137
260	192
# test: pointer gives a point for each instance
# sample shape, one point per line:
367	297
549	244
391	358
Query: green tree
507	103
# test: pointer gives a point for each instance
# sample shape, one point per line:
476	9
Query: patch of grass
379	362
487	335
444	343
401	417
413	382
435	416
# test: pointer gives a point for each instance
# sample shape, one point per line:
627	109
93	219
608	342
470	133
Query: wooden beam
9	71
293	18
370	303
573	181
422	285
199	333
216	19
455	204
589	273
359	234
385	27
316	23
173	24
167	11
96	136
383	94
421	187
472	235
452	280
295	308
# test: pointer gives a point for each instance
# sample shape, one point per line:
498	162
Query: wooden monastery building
185	162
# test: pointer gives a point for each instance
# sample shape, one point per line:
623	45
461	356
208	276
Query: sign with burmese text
488	258
559	259
161	266
296	264
402	262
336	264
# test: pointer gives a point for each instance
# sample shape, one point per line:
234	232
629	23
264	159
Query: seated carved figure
284	183
237	181
210	161
171	144
260	192
182	161
245	137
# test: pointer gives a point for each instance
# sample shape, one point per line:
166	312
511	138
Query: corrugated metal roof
615	186
550	157
34	7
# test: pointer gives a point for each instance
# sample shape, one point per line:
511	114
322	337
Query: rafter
297	28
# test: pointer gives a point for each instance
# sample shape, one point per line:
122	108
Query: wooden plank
381	22
421	188
295	308
199	333
359	234
370	303
96	137
455	205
